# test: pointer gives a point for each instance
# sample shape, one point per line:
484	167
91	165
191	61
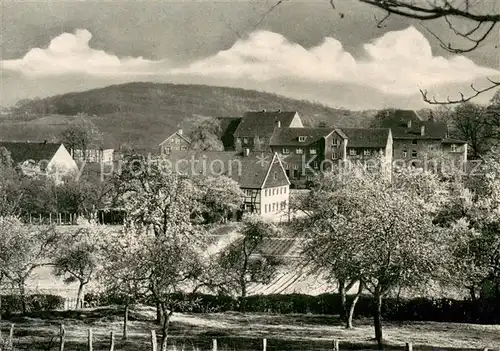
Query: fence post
90	347
62	336
336	346
154	342
214	344
112	342
408	346
10	341
264	344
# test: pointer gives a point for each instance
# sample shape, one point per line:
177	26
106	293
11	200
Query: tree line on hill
416	230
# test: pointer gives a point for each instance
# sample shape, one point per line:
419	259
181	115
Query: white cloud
70	53
396	63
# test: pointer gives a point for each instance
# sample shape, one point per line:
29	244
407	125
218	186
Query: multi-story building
176	141
255	129
261	176
414	138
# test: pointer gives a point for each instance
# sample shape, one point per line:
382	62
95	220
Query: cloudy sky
302	49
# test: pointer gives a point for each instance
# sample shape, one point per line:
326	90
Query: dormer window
302	139
245	140
312	151
285	151
299	151
414	141
367	152
352	152
453	147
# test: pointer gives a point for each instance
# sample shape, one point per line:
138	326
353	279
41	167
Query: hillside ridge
142	114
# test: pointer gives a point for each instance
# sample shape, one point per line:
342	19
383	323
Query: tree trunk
343	300
353	306
22	293
159	313
377	317
164	329
125	322
79	296
243	298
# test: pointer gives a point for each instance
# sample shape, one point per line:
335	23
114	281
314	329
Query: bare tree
479	19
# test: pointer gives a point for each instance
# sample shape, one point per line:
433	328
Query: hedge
34	303
417	309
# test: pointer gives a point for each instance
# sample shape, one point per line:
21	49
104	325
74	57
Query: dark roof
290	136
228	126
263	123
249	171
397	120
24	151
366	137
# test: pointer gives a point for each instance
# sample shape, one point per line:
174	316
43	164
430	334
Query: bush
34	303
417	309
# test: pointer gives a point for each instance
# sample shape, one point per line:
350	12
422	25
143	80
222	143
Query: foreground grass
235	331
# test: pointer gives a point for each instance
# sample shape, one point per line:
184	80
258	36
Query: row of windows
275	206
299	151
246	140
275	191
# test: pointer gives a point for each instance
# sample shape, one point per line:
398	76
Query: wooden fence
7	344
67	218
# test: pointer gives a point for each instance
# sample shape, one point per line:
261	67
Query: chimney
246	151
44	142
408	124
422	130
278	124
264	110
179	131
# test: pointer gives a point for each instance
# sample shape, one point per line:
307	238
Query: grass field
235	331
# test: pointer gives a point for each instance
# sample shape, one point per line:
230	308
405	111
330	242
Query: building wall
61	164
274	201
94	155
459	151
174	142
407	149
252	200
296	122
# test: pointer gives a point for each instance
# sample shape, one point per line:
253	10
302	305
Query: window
287	166
183	148
245	140
414	141
414	153
335	155
295	167
265	208
265	192
299	151
275	175
274	206
302	139
316	165
285	190
283	205
177	140
352	152
453	147
281	191
335	142
312	151
367	152
238	140
285	151
405	153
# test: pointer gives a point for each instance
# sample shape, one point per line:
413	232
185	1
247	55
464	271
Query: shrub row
34	303
419	309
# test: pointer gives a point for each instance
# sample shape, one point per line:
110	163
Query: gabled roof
263	123
24	151
228	126
187	139
398	120
290	136
367	137
249	171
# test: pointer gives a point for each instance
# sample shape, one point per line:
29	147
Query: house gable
62	161
276	175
